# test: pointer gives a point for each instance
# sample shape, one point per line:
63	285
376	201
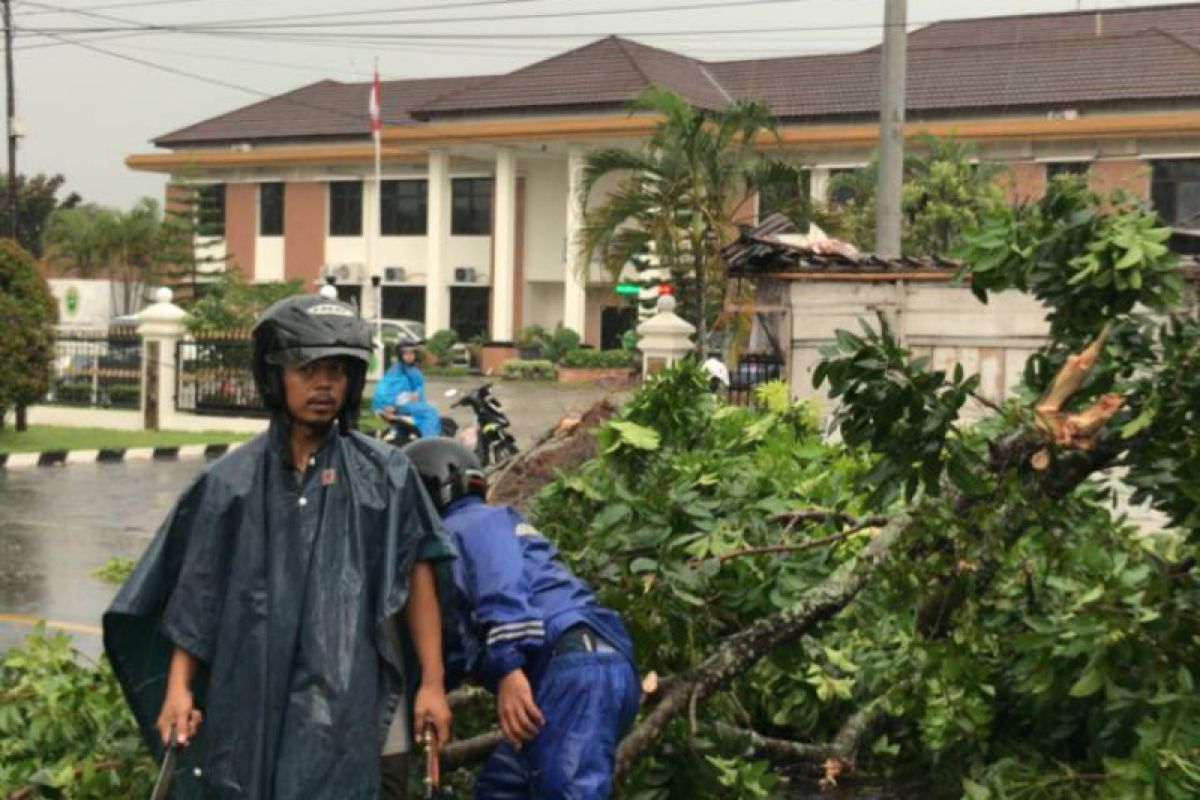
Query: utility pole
12	120
891	128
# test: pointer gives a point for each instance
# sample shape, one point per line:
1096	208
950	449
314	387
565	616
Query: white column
437	235
161	324
504	245
818	184
574	268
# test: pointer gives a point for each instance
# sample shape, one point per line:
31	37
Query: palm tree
683	194
124	246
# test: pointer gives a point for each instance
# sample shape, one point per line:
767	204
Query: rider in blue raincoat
560	663
401	391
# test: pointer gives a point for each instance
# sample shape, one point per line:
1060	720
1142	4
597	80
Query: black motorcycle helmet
297	330
447	469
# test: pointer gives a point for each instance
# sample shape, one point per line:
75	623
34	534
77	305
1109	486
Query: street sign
627	288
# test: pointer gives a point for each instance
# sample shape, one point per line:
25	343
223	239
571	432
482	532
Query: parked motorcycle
489	437
402	429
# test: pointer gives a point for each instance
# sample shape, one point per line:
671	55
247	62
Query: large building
472	224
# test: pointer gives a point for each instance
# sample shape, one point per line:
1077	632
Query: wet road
58	524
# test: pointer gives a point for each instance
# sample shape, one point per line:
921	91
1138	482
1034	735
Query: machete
162	786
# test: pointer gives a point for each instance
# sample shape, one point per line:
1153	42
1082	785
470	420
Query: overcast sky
85	110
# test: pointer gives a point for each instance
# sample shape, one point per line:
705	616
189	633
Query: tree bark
22	419
740	651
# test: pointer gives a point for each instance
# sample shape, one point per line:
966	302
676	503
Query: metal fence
101	369
213	376
753	369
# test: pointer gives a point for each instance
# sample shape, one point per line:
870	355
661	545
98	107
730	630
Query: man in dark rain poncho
259	623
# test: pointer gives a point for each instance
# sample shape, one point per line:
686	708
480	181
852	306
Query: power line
110	5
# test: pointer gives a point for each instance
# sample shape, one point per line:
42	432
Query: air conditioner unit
394	275
464	274
342	273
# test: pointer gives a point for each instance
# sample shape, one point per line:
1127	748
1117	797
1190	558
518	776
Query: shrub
561	342
529	370
599	359
441	344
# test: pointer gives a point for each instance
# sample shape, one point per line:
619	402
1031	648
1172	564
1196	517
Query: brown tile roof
608	72
1138	67
983	65
1182	19
323	109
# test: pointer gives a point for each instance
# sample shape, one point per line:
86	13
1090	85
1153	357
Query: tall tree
683	194
194	222
27	316
37	200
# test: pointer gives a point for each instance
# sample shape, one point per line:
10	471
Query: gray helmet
300	329
447	469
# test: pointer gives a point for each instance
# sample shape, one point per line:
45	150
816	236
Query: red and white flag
374	105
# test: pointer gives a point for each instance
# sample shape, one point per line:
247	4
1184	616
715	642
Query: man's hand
388	413
178	710
431	707
519	716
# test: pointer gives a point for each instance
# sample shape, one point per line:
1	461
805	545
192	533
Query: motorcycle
402	429
489	437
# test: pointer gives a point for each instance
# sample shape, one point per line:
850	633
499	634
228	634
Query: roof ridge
1176	38
620	43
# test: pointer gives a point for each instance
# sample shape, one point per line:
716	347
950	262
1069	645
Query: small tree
232	303
27	316
946	192
192	226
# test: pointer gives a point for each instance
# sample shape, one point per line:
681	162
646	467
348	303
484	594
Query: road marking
70	627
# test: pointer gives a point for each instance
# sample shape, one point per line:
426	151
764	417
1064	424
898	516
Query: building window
270	209
210	210
1175	192
1054	169
345	208
472	207
403	207
786	196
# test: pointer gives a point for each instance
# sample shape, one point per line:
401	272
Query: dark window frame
210	210
270	208
1056	168
404	207
1175	191
471	201
346	210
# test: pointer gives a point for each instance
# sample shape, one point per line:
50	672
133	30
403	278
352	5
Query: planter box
593	374
493	356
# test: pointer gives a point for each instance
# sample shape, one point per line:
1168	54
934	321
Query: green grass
45	437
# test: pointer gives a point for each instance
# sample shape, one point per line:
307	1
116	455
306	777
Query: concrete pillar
437	258
664	338
818	185
160	325
504	267
574	269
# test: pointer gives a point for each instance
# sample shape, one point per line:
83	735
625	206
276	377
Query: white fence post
664	338
161	325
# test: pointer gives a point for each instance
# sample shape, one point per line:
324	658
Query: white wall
545	220
94	306
544	304
268	258
944	322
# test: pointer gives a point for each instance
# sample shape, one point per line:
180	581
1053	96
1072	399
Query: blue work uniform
519	607
403	378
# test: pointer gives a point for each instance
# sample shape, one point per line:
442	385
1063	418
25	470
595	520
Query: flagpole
377	136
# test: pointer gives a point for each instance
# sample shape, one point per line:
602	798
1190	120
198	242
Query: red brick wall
241	224
1133	176
304	231
1024	181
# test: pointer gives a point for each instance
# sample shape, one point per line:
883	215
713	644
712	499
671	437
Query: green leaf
1088	684
634	435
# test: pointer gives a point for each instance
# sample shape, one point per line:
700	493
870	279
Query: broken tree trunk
567	446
